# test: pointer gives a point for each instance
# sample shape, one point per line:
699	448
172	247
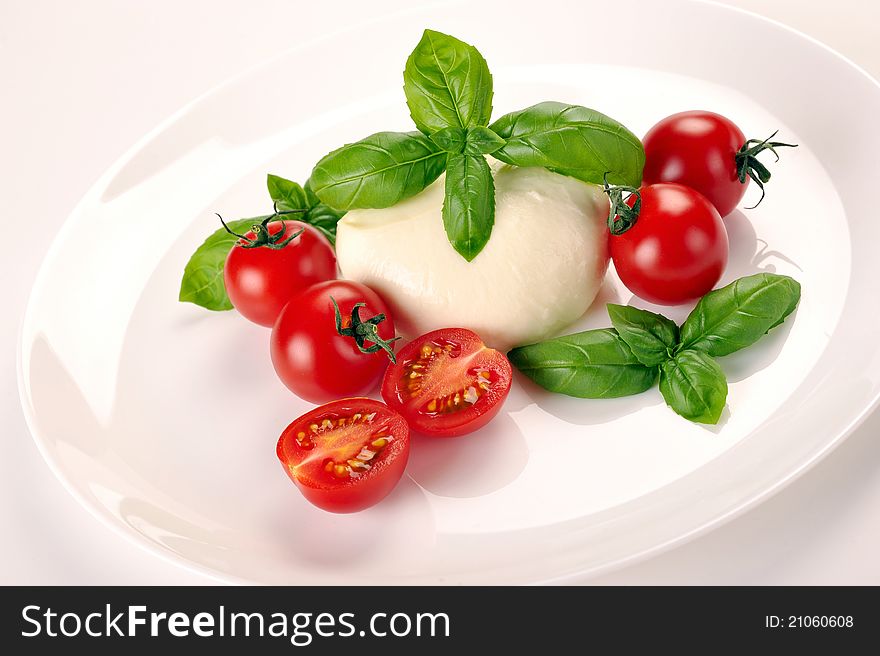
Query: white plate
162	418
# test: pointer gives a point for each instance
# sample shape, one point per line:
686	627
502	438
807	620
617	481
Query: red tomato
677	249
260	280
309	354
347	455
447	382
706	152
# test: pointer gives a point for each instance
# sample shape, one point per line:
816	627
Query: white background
82	81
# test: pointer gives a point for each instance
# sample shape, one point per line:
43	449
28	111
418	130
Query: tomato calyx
262	237
748	166
621	215
364	330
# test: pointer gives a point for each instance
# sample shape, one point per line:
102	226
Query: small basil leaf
469	203
202	282
738	315
378	171
450	140
324	218
571	140
650	336
596	364
694	386
447	84
286	194
482	141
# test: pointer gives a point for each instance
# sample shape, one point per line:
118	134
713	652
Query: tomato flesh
447	383
347	455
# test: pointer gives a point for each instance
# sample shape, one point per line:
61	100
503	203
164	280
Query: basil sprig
628	358
449	92
202	281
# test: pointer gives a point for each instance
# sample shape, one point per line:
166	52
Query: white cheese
538	273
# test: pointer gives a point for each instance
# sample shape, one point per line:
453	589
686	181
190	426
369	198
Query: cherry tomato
677	249
261	279
347	455
310	355
447	382
706	152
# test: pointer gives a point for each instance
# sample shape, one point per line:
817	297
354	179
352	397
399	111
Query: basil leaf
202	282
571	140
694	386
738	315
651	337
482	141
286	194
378	171
596	364
469	203
450	140
447	84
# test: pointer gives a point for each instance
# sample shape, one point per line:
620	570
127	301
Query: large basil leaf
447	84
469	203
738	315
378	171
571	140
596	364
202	282
694	386
651	337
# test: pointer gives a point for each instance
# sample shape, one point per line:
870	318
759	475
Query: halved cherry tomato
347	455
447	382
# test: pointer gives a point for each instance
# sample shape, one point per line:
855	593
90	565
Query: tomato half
312	358
447	382
347	455
261	280
676	251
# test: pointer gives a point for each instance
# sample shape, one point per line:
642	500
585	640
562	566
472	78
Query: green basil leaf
447	84
286	194
651	337
596	364
571	140
482	141
202	282
738	315
469	203
378	171
450	140
694	386
324	218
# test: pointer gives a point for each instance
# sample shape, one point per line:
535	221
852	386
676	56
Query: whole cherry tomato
709	153
668	243
333	339
273	262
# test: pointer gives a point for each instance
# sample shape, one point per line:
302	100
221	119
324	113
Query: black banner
433	620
